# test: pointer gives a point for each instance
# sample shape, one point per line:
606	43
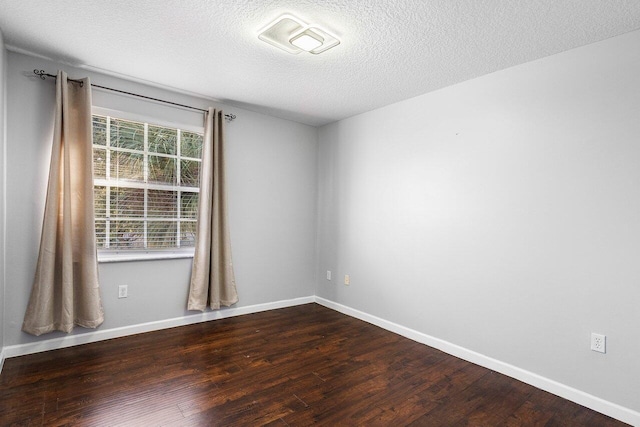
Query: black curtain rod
43	75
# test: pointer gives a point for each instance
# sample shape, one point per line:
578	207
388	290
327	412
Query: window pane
139	218
127	202
162	140
125	134
99	130
101	233
162	204
126	235
191	145
187	234
100	201
99	163
189	173
127	166
189	205
162	170
161	234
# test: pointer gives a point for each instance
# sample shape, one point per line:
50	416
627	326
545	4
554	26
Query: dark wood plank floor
295	366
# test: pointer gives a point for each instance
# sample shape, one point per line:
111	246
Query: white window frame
121	255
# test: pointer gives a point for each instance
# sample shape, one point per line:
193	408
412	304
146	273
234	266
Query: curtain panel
65	290
212	278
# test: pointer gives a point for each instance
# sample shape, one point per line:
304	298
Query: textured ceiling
390	49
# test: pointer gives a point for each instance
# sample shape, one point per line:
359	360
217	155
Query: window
146	181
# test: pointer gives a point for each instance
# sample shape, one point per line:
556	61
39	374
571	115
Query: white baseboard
585	399
100	335
597	404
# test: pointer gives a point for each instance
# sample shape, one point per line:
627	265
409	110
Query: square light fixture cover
307	40
329	40
279	32
294	36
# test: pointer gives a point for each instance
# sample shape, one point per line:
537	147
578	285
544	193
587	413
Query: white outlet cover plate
598	343
122	291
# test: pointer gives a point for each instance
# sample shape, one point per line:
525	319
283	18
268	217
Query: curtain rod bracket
43	75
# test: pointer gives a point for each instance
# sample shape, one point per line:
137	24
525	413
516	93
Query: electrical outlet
598	343
347	280
123	291
328	274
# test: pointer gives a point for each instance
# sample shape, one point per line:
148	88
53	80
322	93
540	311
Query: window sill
126	256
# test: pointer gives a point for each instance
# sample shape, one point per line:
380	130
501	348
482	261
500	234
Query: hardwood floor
295	366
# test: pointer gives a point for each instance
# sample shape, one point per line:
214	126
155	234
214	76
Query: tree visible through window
145	184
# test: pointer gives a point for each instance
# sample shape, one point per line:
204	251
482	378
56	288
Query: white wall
3	63
501	215
272	201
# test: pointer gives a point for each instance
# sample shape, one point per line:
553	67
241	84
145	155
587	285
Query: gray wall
272	198
501	215
3	64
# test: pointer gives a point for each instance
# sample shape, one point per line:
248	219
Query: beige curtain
212	278
65	289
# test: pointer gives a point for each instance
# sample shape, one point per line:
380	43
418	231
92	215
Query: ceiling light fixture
307	41
294	36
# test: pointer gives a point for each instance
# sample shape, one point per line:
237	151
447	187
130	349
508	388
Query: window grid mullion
107	188
134	151
179	182
145	174
141	185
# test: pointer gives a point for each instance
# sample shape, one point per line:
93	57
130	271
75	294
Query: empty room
294	212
